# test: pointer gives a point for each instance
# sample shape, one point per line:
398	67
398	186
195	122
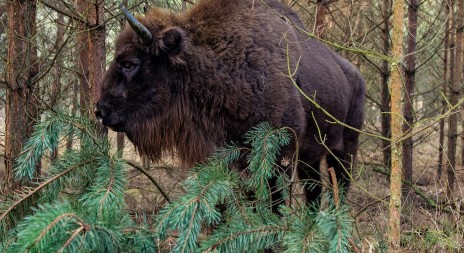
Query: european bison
192	81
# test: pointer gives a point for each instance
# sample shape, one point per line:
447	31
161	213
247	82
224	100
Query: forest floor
424	228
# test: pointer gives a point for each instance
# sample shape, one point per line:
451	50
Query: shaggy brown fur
217	70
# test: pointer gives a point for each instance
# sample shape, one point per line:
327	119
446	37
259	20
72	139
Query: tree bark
410	79
56	86
396	127
57	71
97	50
455	88
92	54
22	67
385	91
75	105
460	69
119	135
321	14
446	53
82	62
120	143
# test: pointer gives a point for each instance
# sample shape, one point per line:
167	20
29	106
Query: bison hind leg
341	163
310	177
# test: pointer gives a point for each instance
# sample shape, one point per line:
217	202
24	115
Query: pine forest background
53	54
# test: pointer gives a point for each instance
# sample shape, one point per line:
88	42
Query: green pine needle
44	138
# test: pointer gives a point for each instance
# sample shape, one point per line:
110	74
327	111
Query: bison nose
100	112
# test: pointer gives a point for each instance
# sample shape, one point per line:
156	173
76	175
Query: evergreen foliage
217	197
91	216
80	201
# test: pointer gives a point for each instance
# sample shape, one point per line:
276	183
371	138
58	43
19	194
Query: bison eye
127	65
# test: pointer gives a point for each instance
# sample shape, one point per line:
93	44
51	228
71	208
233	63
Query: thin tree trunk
453	119
410	79
75	105
83	65
396	126
446	53
56	86
460	31
321	14
92	55
385	91
97	50
120	143
119	135
20	112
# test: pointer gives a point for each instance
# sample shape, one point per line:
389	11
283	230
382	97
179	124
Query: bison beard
205	76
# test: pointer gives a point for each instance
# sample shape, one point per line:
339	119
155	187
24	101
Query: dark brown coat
216	70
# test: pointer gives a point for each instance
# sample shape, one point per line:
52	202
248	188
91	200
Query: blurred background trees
54	54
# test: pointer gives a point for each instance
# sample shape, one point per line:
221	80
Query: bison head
141	80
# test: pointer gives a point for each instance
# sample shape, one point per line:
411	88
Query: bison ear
171	43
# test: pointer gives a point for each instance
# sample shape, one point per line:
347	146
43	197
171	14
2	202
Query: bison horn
142	31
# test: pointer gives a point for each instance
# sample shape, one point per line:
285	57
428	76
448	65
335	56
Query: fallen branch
153	180
418	191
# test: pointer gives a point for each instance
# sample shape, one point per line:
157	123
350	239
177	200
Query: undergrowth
78	204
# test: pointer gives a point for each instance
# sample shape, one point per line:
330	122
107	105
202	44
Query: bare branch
146	173
65	13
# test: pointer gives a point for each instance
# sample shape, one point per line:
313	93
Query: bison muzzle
195	80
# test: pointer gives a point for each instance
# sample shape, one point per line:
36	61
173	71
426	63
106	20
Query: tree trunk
56	86
396	126
57	71
460	33
97	50
453	119
92	53
410	79
385	92
20	112
83	65
75	105
446	53
120	143
119	135
321	14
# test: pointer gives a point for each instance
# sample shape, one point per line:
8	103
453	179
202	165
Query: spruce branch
61	227
239	237
265	145
45	137
139	239
106	192
91	215
29	193
212	183
335	224
304	234
248	225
